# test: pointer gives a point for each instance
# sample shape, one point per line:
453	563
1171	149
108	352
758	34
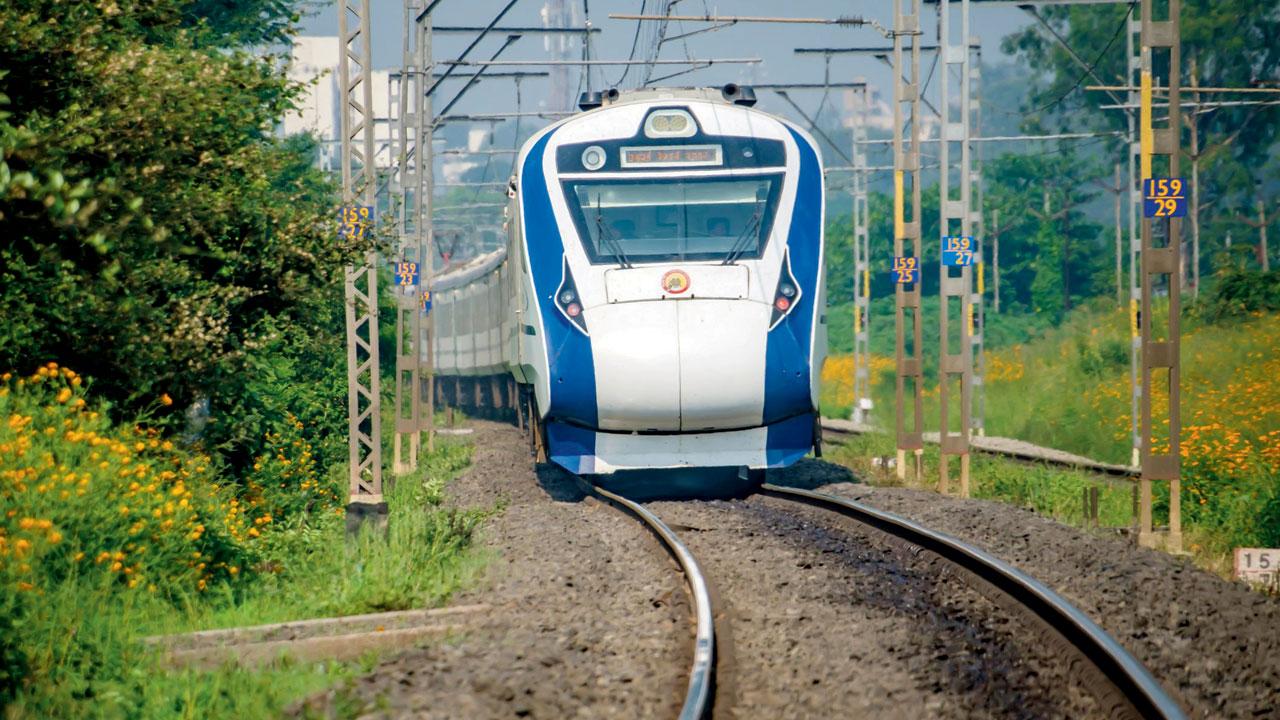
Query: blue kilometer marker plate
406	274
1164	197
353	220
906	270
958	251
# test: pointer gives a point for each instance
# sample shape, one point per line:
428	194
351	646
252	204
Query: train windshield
656	220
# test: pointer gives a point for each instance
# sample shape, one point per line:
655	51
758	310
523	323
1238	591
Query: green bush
1239	293
110	532
158	237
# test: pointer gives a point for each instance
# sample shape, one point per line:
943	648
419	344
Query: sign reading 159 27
906	270
957	251
1164	197
353	220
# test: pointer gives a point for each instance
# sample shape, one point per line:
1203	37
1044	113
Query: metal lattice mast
408	317
906	164
1134	62
861	262
1161	259
359	181
955	219
424	133
977	218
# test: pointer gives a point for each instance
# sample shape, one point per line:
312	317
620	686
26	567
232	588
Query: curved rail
697	697
1147	698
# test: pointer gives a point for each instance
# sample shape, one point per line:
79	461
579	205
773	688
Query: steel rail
697	697
1091	466
1139	688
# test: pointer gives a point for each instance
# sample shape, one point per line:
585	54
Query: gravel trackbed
816	616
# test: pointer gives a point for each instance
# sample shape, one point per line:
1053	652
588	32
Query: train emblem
675	282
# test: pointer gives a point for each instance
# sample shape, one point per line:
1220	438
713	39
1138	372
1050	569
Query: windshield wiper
605	233
739	246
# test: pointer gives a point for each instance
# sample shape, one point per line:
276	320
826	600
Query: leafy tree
1225	43
159	238
1050	254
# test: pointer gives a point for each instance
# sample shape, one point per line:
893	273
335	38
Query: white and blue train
660	300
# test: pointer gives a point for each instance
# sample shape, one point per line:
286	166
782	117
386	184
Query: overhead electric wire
813	126
1120	28
634	42
451	66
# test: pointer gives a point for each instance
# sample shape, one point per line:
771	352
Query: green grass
1052	491
82	637
1068	387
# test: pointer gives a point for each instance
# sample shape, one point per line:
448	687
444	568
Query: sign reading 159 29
1164	197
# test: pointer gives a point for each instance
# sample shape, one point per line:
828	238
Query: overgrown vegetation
1069	389
162	240
112	533
1056	492
159	238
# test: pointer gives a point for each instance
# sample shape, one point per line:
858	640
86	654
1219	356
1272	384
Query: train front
675	259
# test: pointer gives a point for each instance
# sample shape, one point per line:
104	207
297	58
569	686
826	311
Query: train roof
729	94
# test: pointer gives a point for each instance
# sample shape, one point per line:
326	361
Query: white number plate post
1258	566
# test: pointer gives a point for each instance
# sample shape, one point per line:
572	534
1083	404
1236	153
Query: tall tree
157	235
1051	255
1229	43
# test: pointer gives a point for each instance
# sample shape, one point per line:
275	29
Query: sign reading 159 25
906	270
1164	197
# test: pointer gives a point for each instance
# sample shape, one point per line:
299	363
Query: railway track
1003	447
1135	691
1114	676
697	699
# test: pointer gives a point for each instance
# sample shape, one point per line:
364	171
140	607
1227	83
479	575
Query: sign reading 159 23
906	270
957	251
1164	197
406	274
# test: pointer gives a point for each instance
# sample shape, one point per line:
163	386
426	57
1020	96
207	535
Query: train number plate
1258	566
1164	197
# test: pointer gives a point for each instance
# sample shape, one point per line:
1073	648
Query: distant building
880	114
314	61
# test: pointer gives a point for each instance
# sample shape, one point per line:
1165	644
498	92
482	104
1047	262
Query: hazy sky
773	43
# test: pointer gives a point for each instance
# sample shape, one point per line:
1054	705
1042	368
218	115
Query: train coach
659	302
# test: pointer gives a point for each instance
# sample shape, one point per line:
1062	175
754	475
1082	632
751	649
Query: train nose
722	363
637	366
688	365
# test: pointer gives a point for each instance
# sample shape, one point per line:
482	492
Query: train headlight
568	302
669	123
593	158
787	296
